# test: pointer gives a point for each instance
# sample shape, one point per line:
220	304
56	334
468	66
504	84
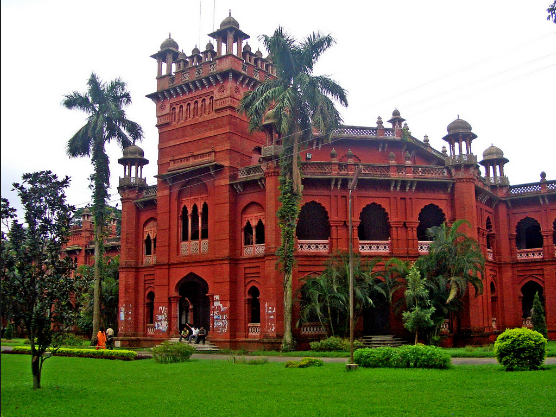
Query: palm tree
454	262
326	296
106	120
300	102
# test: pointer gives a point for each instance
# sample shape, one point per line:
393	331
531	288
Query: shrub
410	356
9	333
70	339
243	360
334	344
537	318
84	353
304	363
172	352
520	349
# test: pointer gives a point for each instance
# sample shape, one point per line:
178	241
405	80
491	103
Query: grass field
82	387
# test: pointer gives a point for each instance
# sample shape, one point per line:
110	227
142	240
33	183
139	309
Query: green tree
300	102
108	294
418	316
326	296
106	121
454	263
538	319
36	281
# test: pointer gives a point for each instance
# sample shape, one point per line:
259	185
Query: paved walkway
219	356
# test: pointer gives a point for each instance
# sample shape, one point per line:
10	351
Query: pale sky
491	62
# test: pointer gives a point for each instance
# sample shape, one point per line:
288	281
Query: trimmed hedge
520	349
85	353
304	363
172	352
334	344
409	356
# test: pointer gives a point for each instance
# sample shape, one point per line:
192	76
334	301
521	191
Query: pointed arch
374	223
253	229
528	234
431	215
313	223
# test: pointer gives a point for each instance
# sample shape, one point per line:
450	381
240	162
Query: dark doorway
376	320
528	291
194	304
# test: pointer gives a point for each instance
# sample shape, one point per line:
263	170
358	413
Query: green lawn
80	387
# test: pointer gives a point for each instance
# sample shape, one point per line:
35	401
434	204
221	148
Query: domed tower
168	53
494	161
133	157
396	119
229	34
459	132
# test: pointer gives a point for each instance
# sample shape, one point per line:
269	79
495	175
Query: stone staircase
382	340
200	348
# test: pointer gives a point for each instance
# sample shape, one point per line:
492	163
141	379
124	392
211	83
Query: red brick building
199	246
81	245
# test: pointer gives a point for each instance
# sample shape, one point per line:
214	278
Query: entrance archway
194	304
376	320
529	289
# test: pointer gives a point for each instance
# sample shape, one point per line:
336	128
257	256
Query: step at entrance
374	341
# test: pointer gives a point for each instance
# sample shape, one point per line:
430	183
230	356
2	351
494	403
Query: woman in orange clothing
101	339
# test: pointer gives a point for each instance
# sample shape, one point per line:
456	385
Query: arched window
313	222
148	246
259	233
254	305
180	114
203	106
253	237
528	234
150	308
195	223
195	108
554	232
430	216
490	236
204	221
188	111
373	223
173	115
149	241
211	104
248	234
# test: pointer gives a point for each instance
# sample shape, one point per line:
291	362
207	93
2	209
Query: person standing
110	338
101	339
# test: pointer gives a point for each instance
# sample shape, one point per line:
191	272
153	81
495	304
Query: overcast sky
491	62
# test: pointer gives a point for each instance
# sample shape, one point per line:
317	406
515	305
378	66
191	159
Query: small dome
259	53
247	48
459	125
396	113
269	117
181	56
229	21
195	51
493	152
134	151
209	47
86	211
169	43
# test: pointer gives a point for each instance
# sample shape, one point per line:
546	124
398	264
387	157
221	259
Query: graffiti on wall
161	322
125	317
270	312
219	313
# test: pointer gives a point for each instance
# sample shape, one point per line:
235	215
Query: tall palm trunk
287	340
97	277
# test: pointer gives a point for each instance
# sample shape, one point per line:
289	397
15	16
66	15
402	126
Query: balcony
254	250
194	247
322	246
424	246
374	246
253	330
149	260
312	329
529	254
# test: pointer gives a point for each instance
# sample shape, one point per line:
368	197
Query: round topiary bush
520	349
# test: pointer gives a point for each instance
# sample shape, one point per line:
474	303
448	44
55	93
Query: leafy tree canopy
36	282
